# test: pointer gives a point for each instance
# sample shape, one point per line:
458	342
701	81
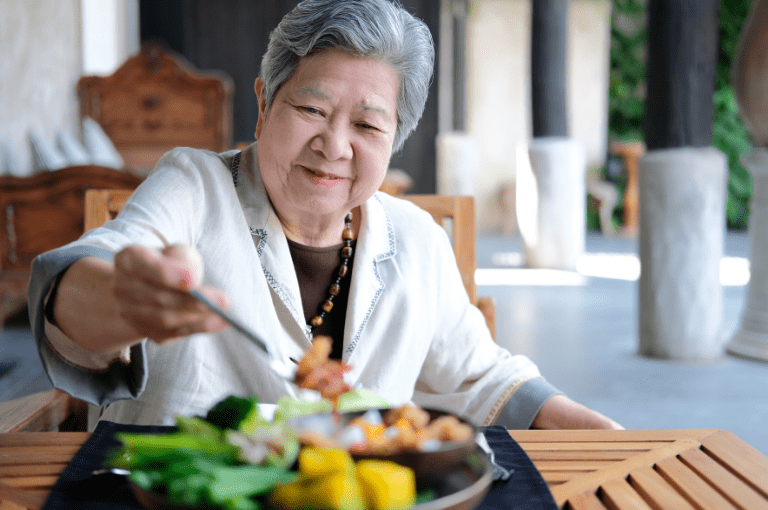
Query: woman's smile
323	179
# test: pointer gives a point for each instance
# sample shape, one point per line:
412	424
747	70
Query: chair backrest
45	211
457	215
102	205
156	101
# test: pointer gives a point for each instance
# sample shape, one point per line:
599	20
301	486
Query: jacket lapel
375	244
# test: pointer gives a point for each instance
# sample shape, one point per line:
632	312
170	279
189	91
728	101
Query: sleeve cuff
525	403
118	381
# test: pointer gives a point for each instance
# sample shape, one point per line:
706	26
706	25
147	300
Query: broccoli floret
232	411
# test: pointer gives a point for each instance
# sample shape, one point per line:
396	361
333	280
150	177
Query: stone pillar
750	78
553	203
682	230
751	339
457	161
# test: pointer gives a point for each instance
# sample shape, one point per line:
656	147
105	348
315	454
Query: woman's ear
258	87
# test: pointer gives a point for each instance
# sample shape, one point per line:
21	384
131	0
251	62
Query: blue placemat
75	489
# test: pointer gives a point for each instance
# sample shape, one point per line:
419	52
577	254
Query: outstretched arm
560	412
106	307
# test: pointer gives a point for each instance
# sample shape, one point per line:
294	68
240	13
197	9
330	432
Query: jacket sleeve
168	207
465	370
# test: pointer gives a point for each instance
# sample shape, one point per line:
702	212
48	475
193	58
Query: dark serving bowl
428	466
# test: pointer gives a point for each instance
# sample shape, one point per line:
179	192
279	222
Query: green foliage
728	133
626	106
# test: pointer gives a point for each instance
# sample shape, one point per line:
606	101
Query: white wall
40	64
110	34
498	88
42	57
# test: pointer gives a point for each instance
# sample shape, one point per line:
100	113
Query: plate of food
244	455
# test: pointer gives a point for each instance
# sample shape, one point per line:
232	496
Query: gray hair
379	29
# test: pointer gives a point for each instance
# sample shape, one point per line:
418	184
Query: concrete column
457	162
682	227
751	339
552	203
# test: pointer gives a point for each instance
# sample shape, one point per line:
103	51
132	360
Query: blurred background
580	324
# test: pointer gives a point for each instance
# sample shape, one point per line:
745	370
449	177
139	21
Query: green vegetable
203	463
360	400
232	411
290	407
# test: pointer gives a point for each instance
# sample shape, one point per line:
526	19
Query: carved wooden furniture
102	205
156	101
585	469
457	215
43	212
631	152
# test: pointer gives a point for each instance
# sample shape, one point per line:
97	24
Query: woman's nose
333	142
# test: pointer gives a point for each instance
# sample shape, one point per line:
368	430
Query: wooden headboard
156	101
40	213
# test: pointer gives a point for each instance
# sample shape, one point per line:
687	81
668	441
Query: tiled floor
583	335
584	339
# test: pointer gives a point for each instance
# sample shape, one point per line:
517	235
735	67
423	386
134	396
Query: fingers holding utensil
153	291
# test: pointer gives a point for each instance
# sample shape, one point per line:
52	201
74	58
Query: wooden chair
43	412
102	205
156	101
43	212
40	213
457	215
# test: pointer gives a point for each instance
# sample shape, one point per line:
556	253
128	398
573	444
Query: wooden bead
347	235
343	270
348	218
328	305
335	289
346	252
317	321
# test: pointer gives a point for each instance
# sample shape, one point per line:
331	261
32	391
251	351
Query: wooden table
615	470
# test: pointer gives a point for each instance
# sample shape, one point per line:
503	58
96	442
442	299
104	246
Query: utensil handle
231	320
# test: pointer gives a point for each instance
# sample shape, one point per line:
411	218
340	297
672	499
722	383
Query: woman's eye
311	110
367	126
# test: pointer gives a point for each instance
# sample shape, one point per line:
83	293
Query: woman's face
324	146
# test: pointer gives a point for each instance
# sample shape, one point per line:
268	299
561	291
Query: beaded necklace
346	253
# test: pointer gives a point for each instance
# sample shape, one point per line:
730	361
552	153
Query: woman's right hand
151	290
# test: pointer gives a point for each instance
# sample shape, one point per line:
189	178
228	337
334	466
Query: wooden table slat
594	446
11	471
729	484
652	487
43	439
32	499
695	488
619	470
750	464
21	459
11	451
575	465
576	455
586	501
618	494
570	436
31	482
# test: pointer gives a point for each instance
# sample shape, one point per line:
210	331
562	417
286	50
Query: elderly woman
296	241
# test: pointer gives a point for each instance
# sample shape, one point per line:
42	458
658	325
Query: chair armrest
488	307
43	412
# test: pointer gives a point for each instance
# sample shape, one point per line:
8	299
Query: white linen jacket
411	334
